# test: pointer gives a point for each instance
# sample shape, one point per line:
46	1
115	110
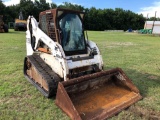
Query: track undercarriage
41	75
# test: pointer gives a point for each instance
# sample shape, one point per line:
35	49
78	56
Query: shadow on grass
148	85
143	81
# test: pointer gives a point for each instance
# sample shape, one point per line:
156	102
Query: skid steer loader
61	62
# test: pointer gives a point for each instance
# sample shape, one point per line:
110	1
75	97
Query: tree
12	13
26	7
94	19
2	8
39	6
71	6
53	5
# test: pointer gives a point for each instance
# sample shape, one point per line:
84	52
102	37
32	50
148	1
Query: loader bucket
97	96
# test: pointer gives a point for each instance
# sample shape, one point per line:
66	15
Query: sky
138	6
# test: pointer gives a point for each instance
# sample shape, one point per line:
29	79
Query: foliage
2	7
153	19
95	19
71	6
113	19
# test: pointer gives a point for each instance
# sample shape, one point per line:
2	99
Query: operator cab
65	27
70	25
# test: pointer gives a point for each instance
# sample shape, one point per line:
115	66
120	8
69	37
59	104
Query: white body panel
57	60
53	62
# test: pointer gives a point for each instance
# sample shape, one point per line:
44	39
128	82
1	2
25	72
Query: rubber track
46	72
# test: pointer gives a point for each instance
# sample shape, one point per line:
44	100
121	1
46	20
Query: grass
138	56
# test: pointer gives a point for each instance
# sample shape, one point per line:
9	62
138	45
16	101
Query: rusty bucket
97	96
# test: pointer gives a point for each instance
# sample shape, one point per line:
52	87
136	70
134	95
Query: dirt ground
144	113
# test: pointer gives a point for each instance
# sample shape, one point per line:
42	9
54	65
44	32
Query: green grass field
138	56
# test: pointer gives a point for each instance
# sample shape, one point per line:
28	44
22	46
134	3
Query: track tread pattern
46	72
